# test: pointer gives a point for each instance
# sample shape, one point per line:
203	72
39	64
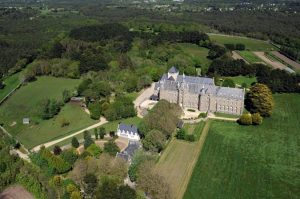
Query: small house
128	131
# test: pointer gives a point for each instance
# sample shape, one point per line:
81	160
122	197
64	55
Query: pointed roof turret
173	69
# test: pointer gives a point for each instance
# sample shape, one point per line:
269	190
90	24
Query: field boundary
9	94
197	153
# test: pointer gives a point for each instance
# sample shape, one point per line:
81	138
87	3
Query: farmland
251	161
251	44
24	103
249	56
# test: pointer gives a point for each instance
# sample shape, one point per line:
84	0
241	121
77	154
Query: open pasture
24	103
11	83
251	161
251	44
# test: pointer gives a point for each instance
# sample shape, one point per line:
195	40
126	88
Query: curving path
51	143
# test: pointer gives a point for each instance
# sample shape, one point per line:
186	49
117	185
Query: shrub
75	142
69	155
245	119
102	132
95	110
190	138
94	150
57	150
191	110
181	134
202	115
256	119
228	83
64	122
111	148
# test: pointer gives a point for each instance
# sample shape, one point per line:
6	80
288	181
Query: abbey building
199	93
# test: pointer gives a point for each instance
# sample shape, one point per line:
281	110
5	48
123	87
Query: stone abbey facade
199	93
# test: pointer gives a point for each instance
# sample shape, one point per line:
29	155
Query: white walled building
128	131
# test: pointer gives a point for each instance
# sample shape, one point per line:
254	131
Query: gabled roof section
173	69
129	128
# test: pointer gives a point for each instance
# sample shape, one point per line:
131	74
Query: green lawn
249	56
198	54
243	79
251	44
25	103
195	129
110	126
251	161
11	83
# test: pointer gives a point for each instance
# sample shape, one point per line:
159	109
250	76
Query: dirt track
275	64
16	192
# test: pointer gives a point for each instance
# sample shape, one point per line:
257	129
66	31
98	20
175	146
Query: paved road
146	94
51	143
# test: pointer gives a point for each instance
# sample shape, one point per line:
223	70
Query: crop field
10	83
24	103
251	44
251	161
249	56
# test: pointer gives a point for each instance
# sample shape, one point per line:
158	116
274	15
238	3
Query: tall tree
260	100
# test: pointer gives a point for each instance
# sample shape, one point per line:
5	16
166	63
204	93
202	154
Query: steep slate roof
198	85
132	147
129	128
173	69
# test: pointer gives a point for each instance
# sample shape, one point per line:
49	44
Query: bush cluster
248	119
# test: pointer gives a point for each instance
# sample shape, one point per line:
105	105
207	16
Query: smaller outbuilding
128	131
26	120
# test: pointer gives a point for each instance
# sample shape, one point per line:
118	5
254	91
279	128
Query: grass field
199	54
249	56
251	161
251	44
195	129
178	160
24	103
10	83
243	79
110	126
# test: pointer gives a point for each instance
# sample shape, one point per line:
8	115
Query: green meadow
11	83
24	103
251	44
251	161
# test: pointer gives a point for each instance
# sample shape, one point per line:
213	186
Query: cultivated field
24	103
287	60
275	64
178	160
249	56
251	161
10	83
251	44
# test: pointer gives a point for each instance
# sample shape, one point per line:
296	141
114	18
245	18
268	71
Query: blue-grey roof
130	128
132	147
195	80
173	69
235	93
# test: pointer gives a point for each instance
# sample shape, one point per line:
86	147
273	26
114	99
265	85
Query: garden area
251	161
